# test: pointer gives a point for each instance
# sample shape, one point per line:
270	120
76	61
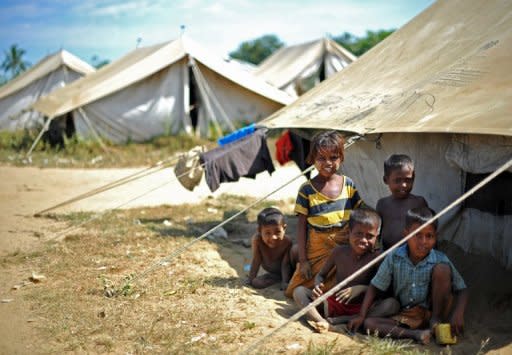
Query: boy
271	249
399	176
364	226
429	288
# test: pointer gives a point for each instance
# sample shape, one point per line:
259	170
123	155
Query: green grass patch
90	154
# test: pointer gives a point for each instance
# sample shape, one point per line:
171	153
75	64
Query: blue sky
110	28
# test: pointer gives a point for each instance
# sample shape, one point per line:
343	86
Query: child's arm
355	323
285	268
329	264
305	266
256	258
457	320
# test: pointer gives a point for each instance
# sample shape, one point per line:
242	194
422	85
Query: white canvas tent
293	68
52	72
163	89
439	90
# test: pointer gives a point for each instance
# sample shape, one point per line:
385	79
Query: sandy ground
24	191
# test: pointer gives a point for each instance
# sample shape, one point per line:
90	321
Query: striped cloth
323	212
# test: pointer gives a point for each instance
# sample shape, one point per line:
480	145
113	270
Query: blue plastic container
238	134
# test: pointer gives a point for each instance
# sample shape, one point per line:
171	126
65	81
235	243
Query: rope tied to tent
162	164
255	345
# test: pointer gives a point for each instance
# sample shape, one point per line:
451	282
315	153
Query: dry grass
195	304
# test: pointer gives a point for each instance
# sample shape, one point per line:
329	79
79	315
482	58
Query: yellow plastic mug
443	332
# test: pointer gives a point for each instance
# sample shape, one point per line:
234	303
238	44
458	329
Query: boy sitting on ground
427	285
272	250
399	176
364	226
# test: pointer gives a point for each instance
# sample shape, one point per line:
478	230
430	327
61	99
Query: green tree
13	62
97	62
360	45
255	51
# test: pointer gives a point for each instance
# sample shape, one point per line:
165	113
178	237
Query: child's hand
457	323
348	294
317	291
355	323
305	270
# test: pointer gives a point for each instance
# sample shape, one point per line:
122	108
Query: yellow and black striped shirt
323	212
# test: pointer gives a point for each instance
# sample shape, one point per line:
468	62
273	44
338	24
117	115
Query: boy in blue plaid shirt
427	285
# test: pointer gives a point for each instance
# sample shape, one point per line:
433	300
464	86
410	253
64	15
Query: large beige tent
439	90
52	72
163	89
295	68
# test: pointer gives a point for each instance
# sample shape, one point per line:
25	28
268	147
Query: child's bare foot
319	327
423	336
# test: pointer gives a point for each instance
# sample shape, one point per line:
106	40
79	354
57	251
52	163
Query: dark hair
366	216
329	140
397	161
419	215
271	216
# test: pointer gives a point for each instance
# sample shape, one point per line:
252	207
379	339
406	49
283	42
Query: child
427	285
399	176
271	249
364	227
324	205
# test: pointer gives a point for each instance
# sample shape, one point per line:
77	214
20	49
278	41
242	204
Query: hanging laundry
284	147
300	151
243	158
188	169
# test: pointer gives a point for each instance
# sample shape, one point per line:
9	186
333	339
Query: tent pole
94	133
205	95
44	129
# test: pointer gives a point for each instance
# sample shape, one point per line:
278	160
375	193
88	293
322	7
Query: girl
323	205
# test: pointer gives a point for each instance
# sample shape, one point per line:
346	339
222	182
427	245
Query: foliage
97	62
360	45
79	153
257	50
13	62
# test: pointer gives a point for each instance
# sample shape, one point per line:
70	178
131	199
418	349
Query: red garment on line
284	147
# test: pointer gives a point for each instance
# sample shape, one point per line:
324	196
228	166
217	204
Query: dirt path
24	191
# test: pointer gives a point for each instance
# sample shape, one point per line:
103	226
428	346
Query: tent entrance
207	115
494	198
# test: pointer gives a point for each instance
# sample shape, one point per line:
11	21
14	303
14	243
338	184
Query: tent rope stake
343	283
101	214
113	184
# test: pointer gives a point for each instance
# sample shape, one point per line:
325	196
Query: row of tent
167	88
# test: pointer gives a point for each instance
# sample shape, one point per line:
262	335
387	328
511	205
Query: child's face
400	182
362	238
272	234
327	162
422	242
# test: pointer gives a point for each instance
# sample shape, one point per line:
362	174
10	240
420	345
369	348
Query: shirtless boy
364	225
427	285
399	176
271	250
